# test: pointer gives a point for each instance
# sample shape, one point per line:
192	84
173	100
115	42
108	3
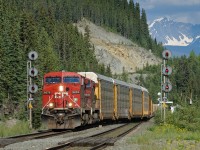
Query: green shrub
184	117
21	127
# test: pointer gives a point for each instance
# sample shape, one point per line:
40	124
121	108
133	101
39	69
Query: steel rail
96	141
21	138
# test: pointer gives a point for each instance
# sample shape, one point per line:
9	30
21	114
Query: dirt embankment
117	51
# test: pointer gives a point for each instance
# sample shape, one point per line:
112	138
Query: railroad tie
82	142
111	142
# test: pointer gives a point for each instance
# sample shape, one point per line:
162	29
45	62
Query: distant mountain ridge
176	35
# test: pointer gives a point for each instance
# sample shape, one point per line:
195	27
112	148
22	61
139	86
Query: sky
187	11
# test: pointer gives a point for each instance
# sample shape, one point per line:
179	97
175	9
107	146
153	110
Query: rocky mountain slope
115	50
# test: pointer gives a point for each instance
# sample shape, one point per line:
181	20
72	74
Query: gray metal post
161	89
32	88
164	94
29	95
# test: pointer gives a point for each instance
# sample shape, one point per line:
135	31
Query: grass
167	137
21	127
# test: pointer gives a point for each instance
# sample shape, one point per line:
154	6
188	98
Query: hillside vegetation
185	92
180	129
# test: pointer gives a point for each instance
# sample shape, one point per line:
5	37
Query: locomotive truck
71	99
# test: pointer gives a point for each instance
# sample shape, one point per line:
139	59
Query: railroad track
21	138
97	141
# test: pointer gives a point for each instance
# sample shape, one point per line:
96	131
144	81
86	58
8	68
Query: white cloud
187	17
187	11
153	3
181	2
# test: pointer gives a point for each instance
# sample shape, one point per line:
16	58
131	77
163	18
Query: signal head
167	87
33	88
166	54
33	72
167	70
33	55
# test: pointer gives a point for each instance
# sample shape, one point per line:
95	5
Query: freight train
71	99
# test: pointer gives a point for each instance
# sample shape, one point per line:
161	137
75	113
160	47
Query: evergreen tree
144	32
124	76
137	22
108	71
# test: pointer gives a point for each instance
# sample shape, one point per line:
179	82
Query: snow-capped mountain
196	42
176	34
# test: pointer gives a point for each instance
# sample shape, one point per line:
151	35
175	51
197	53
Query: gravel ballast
41	144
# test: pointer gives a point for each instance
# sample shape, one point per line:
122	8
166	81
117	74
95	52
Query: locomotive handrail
74	101
47	103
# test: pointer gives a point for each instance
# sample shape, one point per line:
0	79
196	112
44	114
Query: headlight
75	99
70	104
61	88
51	105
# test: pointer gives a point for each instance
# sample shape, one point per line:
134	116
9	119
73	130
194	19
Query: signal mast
32	88
166	85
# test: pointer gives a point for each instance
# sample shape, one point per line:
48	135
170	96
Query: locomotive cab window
50	80
71	79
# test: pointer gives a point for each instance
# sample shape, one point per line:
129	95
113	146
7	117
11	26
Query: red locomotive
67	97
72	99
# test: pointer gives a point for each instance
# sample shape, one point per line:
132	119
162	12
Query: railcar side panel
150	107
115	102
123	101
145	103
107	99
137	103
